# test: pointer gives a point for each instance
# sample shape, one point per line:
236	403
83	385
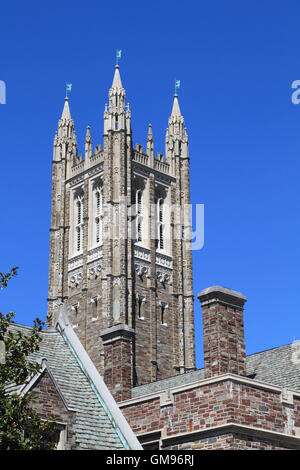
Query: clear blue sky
236	62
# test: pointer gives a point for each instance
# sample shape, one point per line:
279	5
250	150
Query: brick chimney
117	343
223	331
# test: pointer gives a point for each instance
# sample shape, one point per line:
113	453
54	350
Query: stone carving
75	278
164	276
95	254
164	260
142	253
75	262
94	269
142	269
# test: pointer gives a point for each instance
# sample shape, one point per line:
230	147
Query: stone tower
120	255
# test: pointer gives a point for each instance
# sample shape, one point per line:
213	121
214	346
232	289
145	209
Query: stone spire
176	121
115	117
117	83
66	137
176	109
66	111
66	124
176	135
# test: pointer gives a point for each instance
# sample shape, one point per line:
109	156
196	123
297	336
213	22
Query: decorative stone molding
120	331
164	260
75	307
75	262
220	294
76	180
117	281
142	253
94	300
94	270
144	171
162	304
75	278
95	254
140	298
142	269
164	276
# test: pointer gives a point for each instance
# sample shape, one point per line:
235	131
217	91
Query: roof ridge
269	349
27	327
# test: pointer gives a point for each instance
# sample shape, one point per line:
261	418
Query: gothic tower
120	250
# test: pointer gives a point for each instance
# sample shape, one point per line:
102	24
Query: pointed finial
88	133
150	135
176	110
66	111
150	143
117	79
88	143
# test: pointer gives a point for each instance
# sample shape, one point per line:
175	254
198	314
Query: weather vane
177	85
68	88
118	55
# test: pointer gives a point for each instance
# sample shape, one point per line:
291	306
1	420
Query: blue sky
236	62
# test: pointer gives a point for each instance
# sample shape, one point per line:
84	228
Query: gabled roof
99	423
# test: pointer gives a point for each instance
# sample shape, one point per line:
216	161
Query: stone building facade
121	265
120	255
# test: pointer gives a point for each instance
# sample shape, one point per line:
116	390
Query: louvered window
98	215
139	218
161	237
78	224
139	230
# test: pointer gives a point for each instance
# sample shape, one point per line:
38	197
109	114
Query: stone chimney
117	343
223	331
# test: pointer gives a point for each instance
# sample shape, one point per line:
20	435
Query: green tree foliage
20	426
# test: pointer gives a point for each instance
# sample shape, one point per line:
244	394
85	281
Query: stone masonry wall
165	334
117	372
214	404
47	402
232	441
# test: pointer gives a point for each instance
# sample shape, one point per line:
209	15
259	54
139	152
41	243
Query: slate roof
278	366
94	428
